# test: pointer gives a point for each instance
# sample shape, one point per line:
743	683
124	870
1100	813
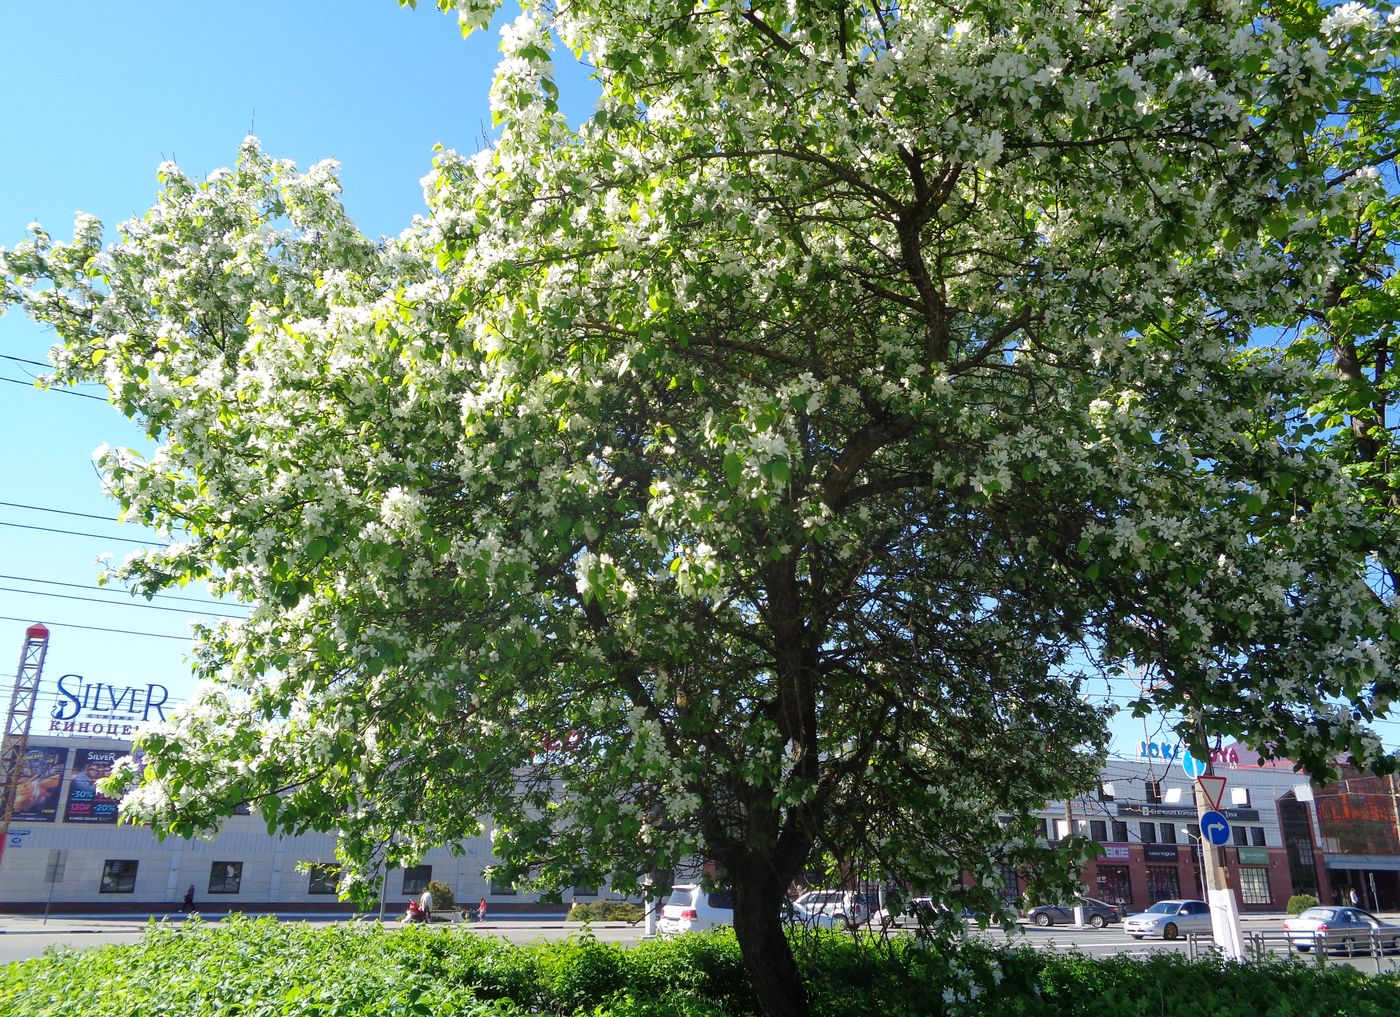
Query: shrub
1300	902
442	895
293	969
577	973
706	966
606	911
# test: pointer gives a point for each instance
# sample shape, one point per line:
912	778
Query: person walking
481	910
425	902
188	905
1353	898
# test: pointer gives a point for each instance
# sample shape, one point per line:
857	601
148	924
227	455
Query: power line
114	603
22	360
62	391
60	512
45	366
77	533
81	586
95	628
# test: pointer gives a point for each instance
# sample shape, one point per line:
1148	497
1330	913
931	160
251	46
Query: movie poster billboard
40	777
85	803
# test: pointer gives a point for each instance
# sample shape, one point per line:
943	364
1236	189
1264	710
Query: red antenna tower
17	722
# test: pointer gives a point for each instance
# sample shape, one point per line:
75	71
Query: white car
691	908
1169	919
834	905
916	911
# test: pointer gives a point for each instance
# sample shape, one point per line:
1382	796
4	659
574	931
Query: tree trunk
759	896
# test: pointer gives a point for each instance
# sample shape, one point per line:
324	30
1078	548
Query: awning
1384	863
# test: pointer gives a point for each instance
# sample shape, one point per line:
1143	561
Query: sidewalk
68	924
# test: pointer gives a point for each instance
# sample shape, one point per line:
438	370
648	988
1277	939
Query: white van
691	908
838	905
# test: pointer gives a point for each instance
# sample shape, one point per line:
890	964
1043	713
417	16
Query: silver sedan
1345	930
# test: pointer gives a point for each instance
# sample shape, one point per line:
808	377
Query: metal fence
1357	947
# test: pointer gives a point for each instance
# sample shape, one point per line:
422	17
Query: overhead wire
80	533
81	586
96	628
115	603
62	391
59	511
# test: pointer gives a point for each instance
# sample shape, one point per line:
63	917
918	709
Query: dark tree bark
759	896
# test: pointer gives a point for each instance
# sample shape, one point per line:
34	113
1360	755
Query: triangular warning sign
1214	788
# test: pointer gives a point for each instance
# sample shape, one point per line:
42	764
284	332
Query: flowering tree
748	471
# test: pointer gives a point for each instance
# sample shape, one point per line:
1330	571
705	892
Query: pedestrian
481	910
1354	898
425	902
188	905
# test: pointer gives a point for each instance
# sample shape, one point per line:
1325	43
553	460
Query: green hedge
1300	902
606	911
263	968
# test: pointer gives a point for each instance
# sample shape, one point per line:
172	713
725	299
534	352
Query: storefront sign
1160	852
85	803
1168	751
40	775
1182	812
95	708
1117	854
1253	855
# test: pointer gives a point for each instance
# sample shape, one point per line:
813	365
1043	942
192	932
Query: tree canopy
755	469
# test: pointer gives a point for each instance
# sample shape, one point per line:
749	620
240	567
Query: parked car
1345	930
842	905
914	912
691	908
1096	913
1168	919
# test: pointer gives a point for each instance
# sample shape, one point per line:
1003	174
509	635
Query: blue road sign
1215	828
1192	766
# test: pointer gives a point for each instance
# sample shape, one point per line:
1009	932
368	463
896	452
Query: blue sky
100	95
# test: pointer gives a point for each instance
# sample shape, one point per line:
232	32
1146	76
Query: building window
585	891
1295	827
1162	883
118	877
1240	835
1120	831
325	877
1098	830
1168	833
1114	883
1239	796
1254	885
416	878
1147	833
1154	792
497	890
225	877
1105	792
1256	836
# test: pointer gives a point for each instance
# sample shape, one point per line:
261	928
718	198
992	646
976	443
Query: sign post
1215	833
53	873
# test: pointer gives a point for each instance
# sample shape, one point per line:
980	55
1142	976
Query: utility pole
1069	832
1224	913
